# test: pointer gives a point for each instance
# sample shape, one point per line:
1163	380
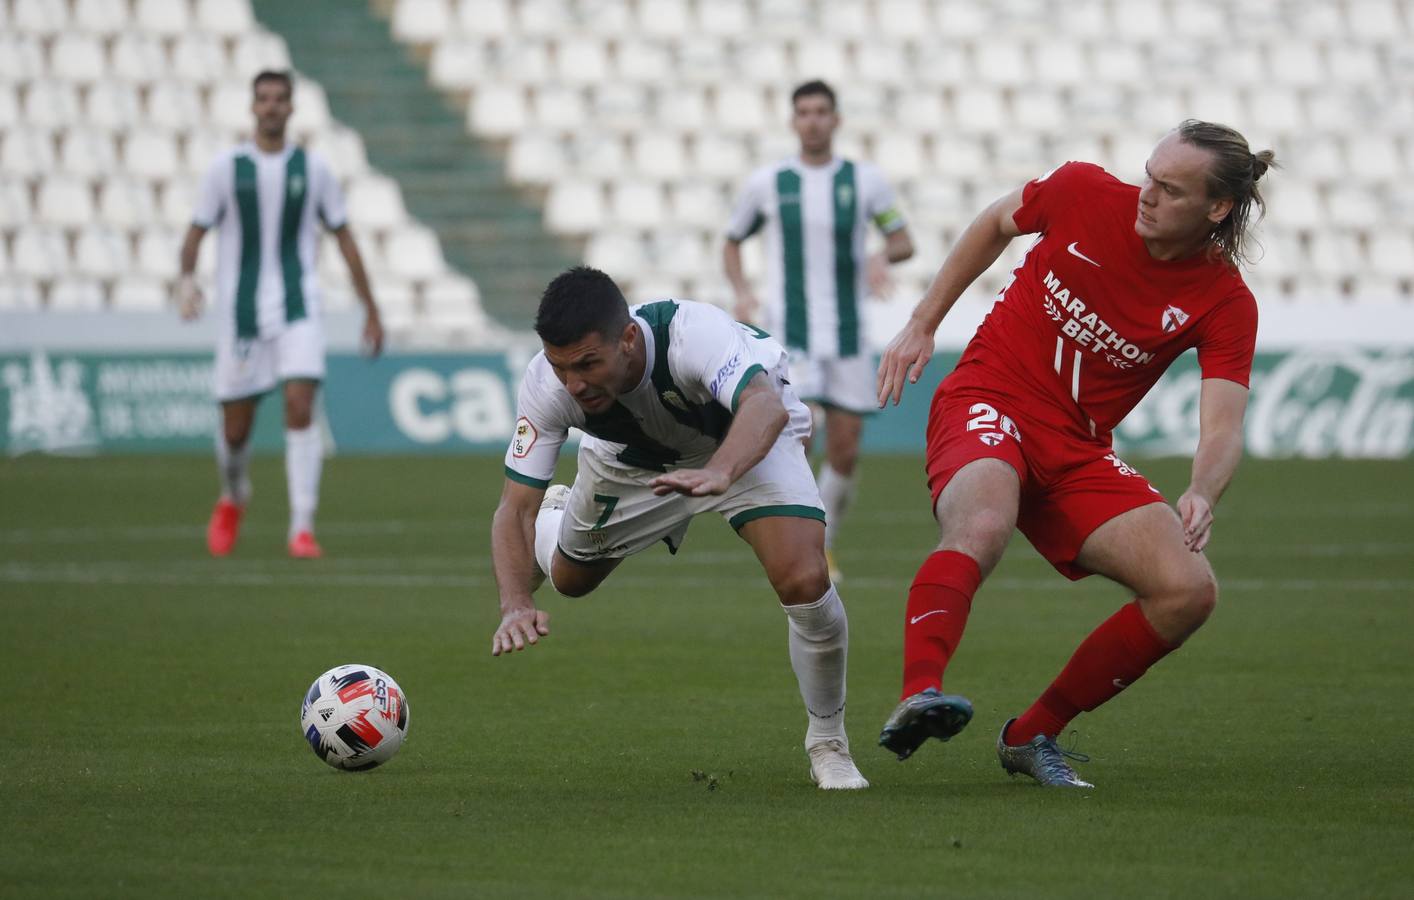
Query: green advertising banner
1317	402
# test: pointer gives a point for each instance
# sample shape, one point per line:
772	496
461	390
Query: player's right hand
519	629
189	300
907	354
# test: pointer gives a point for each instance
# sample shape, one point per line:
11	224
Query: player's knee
1196	596
804	582
297	416
983	535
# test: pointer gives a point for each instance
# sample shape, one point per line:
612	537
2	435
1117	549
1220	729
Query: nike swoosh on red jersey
1073	252
916	619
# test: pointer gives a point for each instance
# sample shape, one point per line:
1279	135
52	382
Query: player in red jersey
1119	281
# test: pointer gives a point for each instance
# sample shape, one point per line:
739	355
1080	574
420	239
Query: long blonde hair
1234	174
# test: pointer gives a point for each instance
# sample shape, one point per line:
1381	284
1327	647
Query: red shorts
1070	485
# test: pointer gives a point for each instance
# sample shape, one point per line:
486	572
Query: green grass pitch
150	698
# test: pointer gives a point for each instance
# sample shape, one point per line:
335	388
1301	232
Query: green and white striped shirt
266	205
815	218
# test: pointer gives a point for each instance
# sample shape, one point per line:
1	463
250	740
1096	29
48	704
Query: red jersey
1090	320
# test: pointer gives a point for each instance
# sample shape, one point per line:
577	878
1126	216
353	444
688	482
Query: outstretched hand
1196	514
519	629
692	482
907	354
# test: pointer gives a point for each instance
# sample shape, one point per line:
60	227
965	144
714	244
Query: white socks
837	493
819	640
304	457
547	537
233	466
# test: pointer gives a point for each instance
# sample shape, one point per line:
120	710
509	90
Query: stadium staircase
449	180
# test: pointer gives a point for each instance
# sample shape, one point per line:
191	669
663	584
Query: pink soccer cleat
224	527
304	546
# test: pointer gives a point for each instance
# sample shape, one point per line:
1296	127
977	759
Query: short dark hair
813	88
578	303
279	75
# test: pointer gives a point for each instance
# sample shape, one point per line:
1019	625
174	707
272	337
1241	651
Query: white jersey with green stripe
268	207
699	360
816	220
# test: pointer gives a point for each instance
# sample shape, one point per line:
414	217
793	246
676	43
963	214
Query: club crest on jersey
991	438
673	398
845	194
1174	319
524	438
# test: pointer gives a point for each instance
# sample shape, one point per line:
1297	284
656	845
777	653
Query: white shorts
251	367
847	383
613	513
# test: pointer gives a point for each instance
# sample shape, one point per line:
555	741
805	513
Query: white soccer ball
354	717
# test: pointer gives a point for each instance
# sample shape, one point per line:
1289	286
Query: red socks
1108	661
938	604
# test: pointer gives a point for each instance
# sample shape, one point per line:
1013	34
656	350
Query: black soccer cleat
928	713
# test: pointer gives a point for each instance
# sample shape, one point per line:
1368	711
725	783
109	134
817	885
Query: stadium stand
109	112
641	118
501	139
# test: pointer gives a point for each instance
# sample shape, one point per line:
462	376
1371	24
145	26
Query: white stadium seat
40	252
582	60
127	203
498	110
77	57
421	21
457	65
174	106
103	16
141	293
76	295
376	202
9	107
643	62
638	204
167	18
228	106
226	18
699	204
257	50
682	108
720	156
740	108
311	114
15	206
50	105
574	207
560	108
21	57
677	252
344	150
535	158
724	18
113	105
901	155
65	201
151	154
485	18
598	156
824	58
17	293
157	250
659	155
664	18
40	18
201	58
26	152
620	106
102	252
621	253
138	56
178	202
413	252
88	153
545	18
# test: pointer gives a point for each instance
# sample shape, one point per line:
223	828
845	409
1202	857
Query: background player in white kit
265	195
816	208
684	412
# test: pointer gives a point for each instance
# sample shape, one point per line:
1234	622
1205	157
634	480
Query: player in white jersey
815	209
684	411
268	198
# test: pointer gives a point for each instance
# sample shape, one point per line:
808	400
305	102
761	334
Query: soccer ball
354	717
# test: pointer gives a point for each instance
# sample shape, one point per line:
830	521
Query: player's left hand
692	482
373	335
881	283
1196	513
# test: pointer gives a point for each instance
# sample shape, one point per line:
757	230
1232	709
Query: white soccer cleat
557	496
832	768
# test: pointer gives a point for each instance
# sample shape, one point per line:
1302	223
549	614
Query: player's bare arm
513	560
1220	409
977	248
760	417
898	246
189	299
745	306
372	324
